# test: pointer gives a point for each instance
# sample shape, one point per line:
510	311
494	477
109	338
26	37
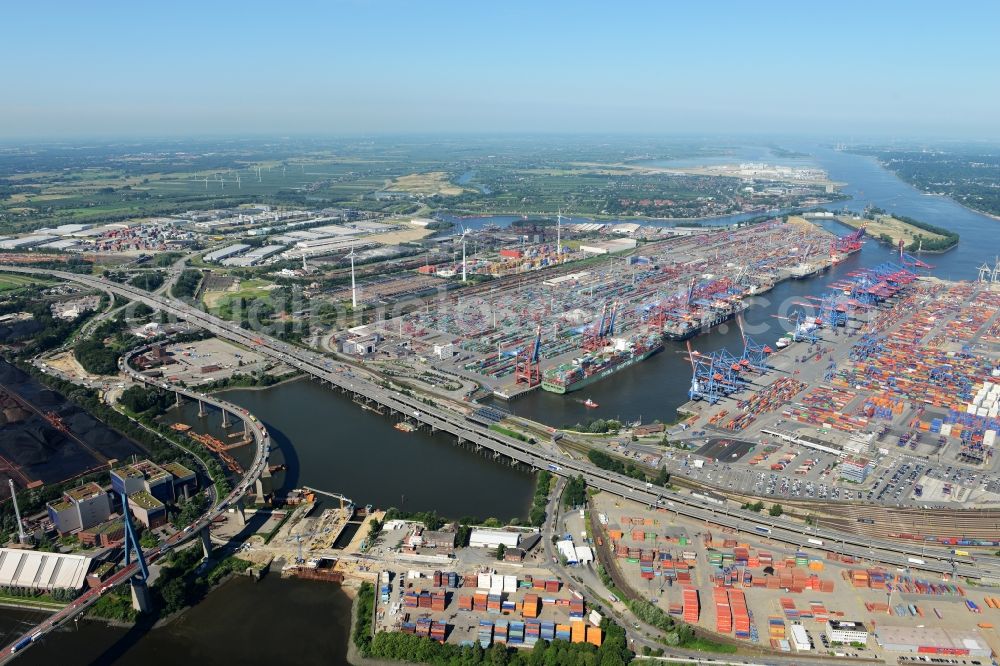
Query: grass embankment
915	234
496	427
11	281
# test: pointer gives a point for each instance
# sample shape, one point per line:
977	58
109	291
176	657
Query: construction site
572	324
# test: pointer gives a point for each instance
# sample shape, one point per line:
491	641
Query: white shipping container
484	581
510	584
989	438
946	429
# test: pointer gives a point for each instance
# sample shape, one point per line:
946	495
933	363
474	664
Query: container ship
593	366
720	312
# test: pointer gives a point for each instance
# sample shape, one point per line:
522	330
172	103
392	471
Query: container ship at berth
619	354
692	325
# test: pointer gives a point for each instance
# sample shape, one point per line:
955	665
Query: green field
9	281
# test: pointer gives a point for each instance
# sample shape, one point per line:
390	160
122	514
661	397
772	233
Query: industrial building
185	480
932	640
147	476
253	257
856	470
486	538
844	631
80	508
148	510
43	572
25	242
609	246
226	252
800	638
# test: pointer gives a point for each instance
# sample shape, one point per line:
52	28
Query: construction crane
850	243
910	261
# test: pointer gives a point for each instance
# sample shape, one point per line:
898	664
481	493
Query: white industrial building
567	550
64	244
800	639
844	631
25	242
253	257
66	229
487	538
609	246
35	570
226	252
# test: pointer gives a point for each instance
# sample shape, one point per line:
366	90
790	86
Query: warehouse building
43	572
253	257
844	631
932	640
609	246
226	252
800	638
24	242
486	538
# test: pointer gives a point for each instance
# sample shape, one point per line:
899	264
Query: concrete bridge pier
246	429
206	541
241	515
141	599
201	409
225	418
177	398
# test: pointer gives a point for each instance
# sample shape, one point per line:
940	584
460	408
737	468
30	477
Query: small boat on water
590	404
405	426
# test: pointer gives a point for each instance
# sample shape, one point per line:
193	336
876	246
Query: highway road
341	375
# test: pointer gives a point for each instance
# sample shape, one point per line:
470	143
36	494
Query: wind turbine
465	232
354	291
238	186
206	182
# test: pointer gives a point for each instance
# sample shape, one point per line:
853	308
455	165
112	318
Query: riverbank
256	387
893	230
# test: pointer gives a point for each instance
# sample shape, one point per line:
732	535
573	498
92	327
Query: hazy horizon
357	68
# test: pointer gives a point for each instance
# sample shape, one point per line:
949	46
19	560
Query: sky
882	68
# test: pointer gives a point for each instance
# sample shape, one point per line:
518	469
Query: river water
329	443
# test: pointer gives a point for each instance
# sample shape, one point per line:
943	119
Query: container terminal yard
562	331
881	365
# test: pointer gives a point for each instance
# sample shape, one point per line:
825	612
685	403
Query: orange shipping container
578	632
594	636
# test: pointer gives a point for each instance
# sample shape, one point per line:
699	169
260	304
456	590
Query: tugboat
590	404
